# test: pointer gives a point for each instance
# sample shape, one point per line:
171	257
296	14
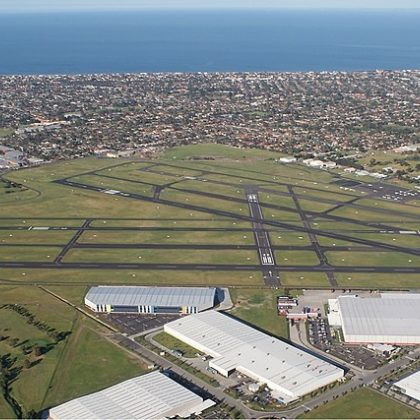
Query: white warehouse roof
290	372
410	385
392	318
151	396
201	297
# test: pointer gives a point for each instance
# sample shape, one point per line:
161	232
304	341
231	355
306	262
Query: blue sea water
190	41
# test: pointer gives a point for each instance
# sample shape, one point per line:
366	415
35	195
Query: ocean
208	41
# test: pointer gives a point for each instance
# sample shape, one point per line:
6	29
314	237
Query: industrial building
390	318
288	371
151	396
150	300
410	386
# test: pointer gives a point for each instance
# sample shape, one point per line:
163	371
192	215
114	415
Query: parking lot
388	192
137	323
378	190
320	336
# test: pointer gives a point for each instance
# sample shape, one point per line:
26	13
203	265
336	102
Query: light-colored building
288	159
410	385
151	396
288	371
391	318
150	300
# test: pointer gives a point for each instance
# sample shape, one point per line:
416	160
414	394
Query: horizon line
200	8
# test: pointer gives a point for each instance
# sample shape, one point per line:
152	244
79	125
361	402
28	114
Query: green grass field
379	281
296	258
6	411
90	363
28	254
363	404
167	237
70	277
383	259
259	308
150	256
305	280
83	362
4	132
173	343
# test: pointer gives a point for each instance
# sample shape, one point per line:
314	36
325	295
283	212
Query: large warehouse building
391	318
151	396
150	300
287	370
410	386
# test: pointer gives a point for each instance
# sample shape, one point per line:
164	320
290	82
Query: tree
36	350
13	341
27	364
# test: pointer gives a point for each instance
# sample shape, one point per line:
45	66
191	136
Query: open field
14	193
166	257
305	280
42	349
379	281
6	411
173	343
296	258
259	308
76	277
363	404
384	259
90	363
168	237
4	132
25	254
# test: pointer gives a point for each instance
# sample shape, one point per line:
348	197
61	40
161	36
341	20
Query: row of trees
57	336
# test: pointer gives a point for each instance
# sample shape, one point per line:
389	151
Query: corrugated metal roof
149	396
411	385
393	314
283	367
201	297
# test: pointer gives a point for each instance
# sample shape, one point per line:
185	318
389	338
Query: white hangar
151	396
288	371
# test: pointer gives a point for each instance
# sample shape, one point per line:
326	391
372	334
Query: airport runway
72	241
224	213
266	255
312	237
208	267
324	215
193	246
260	228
